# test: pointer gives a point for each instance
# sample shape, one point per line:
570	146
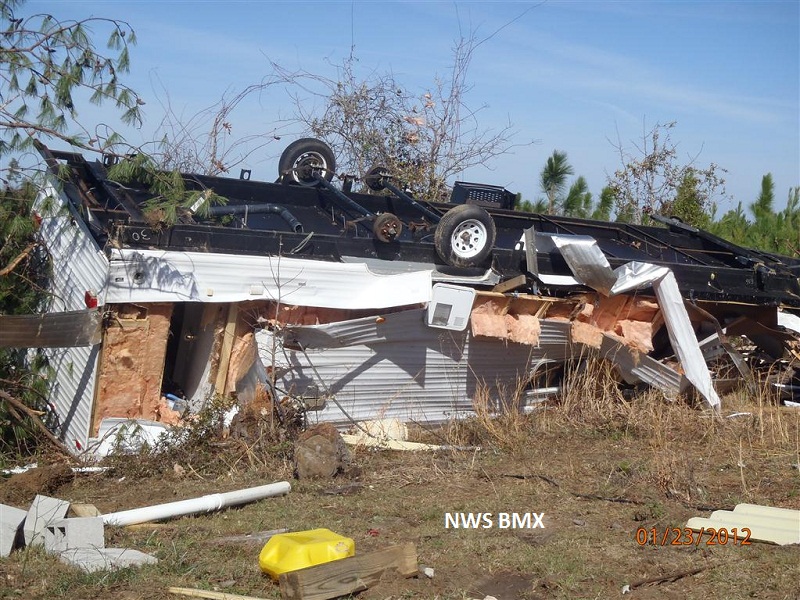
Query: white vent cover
450	306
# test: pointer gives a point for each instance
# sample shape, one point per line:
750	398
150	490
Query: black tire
374	178
302	157
387	227
465	236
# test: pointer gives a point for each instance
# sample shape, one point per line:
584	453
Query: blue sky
574	76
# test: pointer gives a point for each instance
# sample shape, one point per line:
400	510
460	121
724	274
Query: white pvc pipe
206	504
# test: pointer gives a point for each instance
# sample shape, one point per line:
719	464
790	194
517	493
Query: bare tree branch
206	142
34	417
649	176
423	139
17	259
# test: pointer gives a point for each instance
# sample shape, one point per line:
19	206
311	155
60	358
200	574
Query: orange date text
677	536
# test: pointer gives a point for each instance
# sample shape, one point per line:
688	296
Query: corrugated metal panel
78	266
78	263
72	391
158	276
766	523
635	367
396	366
683	339
52	330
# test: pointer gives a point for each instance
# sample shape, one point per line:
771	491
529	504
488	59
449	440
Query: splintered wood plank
227	346
349	575
195	593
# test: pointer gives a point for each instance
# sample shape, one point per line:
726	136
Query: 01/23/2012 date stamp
676	536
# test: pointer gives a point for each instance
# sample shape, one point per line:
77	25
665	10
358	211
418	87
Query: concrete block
80	532
43	510
11	520
99	559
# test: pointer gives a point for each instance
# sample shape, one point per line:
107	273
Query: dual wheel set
464	236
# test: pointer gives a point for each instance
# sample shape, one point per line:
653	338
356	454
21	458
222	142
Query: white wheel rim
469	238
311	158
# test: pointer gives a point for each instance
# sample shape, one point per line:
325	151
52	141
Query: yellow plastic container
287	552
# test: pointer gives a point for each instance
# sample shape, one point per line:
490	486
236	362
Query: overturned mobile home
359	305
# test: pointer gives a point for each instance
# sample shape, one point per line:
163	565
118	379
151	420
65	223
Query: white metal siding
78	266
396	366
170	276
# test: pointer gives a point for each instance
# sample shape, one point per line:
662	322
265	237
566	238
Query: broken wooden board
348	575
196	593
387	444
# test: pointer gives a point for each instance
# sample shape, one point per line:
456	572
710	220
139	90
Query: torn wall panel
586	261
683	338
132	365
593	269
72	391
396	366
244	369
636	367
78	266
51	330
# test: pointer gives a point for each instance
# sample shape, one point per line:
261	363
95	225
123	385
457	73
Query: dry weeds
598	463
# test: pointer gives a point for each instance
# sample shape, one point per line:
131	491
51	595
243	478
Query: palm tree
553	178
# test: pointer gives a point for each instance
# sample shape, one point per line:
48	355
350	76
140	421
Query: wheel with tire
374	178
387	227
302	157
465	236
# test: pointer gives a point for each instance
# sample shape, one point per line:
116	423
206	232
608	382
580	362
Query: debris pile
345	306
79	539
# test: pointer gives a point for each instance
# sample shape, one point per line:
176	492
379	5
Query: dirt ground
596	479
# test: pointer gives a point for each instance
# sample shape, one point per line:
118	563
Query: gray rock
320	453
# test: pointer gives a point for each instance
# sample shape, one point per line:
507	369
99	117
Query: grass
598	464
